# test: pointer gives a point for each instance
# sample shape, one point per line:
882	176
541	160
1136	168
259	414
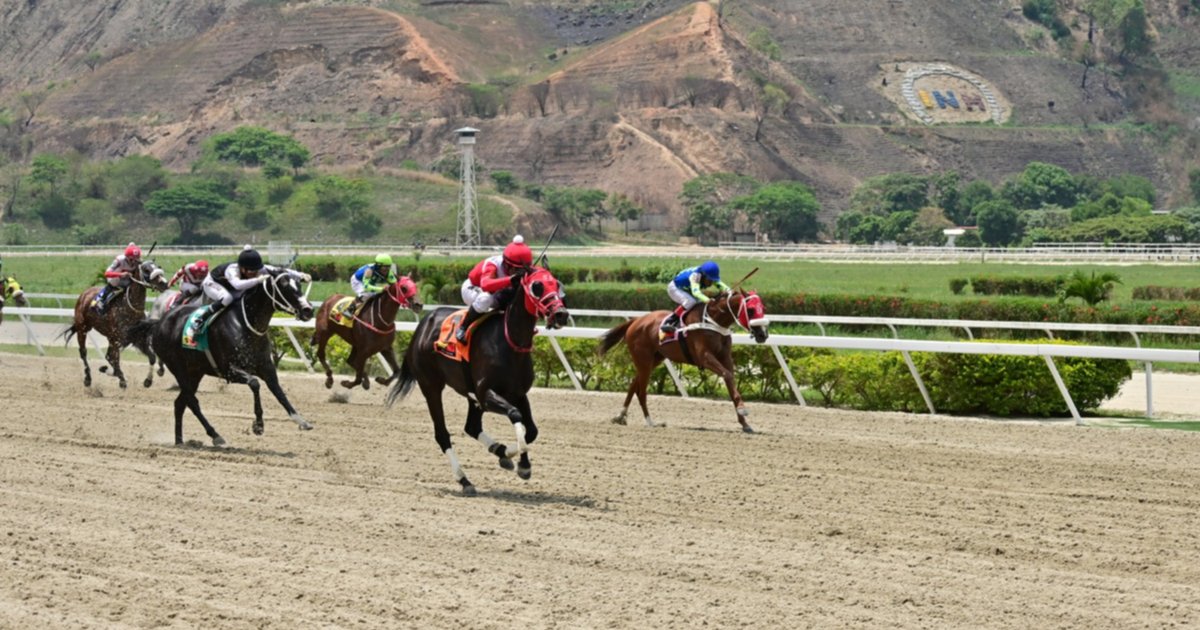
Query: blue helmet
711	270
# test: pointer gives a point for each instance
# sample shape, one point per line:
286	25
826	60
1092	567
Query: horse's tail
403	385
138	335
67	334
613	337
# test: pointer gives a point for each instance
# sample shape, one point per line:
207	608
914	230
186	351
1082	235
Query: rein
377	311
279	304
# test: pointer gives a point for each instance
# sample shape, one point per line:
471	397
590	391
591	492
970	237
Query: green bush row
339	270
1033	286
1176	294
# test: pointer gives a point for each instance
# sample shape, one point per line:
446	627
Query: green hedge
1032	286
1175	294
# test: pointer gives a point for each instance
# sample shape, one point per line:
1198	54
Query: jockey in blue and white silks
372	278
687	290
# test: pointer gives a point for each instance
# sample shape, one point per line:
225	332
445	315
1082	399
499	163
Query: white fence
1048	352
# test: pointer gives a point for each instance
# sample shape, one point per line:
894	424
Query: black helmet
250	259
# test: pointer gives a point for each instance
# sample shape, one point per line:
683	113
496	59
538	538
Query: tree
505	182
93	59
885	194
540	92
768	98
998	223
1091	289
363	225
1130	186
786	210
190	204
624	209
255	146
1194	184
339	197
32	100
129	182
973	194
707	201
1041	184
48	169
1110	205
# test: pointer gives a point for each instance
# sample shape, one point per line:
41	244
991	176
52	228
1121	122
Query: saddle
340	314
446	344
195	338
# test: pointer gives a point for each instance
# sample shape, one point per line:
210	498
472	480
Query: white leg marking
486	439
649	422
454	467
522	447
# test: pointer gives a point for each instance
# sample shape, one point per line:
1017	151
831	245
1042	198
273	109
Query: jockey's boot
461	334
106	296
204	320
672	321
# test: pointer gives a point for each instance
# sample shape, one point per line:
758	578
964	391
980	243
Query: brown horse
125	310
704	341
374	331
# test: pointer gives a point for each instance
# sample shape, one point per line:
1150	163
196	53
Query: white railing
905	346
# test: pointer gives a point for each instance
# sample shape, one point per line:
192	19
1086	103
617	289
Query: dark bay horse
374	331
125	310
706	334
497	378
239	348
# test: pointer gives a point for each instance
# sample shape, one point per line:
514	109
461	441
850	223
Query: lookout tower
467	234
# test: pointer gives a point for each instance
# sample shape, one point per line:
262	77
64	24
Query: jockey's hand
516	278
704	299
304	277
126	274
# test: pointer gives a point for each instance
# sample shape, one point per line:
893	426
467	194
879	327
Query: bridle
396	295
543	307
278	300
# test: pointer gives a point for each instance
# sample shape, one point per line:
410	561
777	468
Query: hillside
631	98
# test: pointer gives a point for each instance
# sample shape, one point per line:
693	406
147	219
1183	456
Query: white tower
467	234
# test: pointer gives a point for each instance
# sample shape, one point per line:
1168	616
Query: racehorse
124	311
239	349
10	289
704	340
373	331
496	378
168	300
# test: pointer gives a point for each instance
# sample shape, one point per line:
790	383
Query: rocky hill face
634	99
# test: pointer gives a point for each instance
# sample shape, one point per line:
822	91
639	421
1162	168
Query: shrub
957	285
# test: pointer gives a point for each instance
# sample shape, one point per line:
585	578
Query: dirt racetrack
826	519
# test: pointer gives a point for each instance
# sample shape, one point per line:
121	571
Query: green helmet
383	259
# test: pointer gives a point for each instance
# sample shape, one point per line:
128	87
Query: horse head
746	308
543	297
153	275
284	290
404	293
12	289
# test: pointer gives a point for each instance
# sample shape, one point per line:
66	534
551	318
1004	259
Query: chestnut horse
703	340
124	311
373	332
498	376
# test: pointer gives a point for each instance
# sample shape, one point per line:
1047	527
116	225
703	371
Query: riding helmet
383	259
201	267
250	260
711	270
517	253
133	251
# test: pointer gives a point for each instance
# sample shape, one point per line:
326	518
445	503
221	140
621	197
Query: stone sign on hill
941	93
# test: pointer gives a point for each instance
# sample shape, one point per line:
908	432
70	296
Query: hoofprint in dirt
826	519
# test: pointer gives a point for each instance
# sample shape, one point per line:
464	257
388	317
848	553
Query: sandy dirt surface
825	519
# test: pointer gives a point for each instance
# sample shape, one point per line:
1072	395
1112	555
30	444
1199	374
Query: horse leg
524	467
389	357
494	402
87	370
194	404
237	375
353	362
433	400
474	428
114	359
272	381
321	341
724	368
150	376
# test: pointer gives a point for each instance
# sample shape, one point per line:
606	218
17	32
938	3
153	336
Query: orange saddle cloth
447	346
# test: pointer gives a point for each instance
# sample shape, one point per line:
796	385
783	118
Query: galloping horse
125	311
704	341
373	331
10	289
168	300
497	376
239	349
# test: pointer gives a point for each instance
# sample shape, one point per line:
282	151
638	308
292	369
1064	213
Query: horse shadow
197	445
535	498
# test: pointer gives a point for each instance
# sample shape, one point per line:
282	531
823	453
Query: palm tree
1091	289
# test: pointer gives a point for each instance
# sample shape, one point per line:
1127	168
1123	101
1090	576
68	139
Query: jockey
119	275
491	276
189	277
229	281
687	290
372	278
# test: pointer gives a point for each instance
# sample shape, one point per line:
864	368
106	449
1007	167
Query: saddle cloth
196	339
447	346
339	315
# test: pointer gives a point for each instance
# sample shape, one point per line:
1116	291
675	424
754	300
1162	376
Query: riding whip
542	256
737	285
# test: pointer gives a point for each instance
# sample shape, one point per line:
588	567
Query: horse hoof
468	488
524	472
366	384
87	381
257	428
124	384
218	441
148	382
507	463
619	420
329	384
381	380
347	384
747	428
305	425
104	369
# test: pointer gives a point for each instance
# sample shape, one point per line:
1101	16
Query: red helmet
133	251
201	266
517	253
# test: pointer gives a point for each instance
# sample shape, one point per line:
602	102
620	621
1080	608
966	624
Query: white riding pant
478	299
217	293
188	289
681	297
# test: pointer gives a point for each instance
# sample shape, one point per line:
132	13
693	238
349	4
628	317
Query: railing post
1149	389
675	377
300	351
566	364
912	368
787	373
30	336
1062	388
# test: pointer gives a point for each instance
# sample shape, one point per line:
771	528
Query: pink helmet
133	251
202	266
517	253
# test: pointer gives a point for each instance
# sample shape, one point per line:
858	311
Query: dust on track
825	519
